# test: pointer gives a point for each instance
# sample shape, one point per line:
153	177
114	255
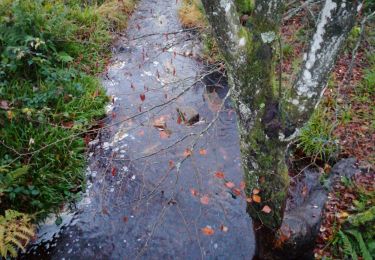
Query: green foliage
316	138
244	6
50	52
356	236
15	232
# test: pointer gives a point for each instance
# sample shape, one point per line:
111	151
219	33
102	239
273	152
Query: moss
244	6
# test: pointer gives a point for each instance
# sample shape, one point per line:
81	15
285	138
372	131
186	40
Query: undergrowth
50	54
192	15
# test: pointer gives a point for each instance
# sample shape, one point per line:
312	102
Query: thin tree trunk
269	117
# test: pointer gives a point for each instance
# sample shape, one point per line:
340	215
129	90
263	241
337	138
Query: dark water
145	198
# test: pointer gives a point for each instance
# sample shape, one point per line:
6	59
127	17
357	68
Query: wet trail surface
159	187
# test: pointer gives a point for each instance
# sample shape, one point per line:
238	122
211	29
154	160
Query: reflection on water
149	193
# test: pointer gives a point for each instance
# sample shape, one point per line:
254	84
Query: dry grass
191	14
117	12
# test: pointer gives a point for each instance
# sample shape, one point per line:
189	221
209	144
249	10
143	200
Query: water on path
159	188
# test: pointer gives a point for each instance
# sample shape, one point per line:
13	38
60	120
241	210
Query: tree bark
270	116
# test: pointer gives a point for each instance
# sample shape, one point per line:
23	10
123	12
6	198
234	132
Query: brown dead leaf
257	198
68	124
205	200
208	231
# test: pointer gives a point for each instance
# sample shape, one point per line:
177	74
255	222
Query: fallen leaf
142	96
230	184
205	200
194	192
224	228
95	94
257	198
327	168
125	219
256	191
4	104
141	133
113	171
266	209
208	231
187	152
202	151
248	199
171	164
68	124
219	175
165	134
236	191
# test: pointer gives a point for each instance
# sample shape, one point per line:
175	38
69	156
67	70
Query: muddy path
164	176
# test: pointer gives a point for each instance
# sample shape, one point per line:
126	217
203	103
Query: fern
347	245
15	232
362	246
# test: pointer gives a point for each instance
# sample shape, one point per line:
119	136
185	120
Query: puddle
164	176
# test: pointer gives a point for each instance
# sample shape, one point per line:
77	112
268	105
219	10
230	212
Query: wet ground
164	175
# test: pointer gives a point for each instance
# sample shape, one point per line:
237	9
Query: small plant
16	231
316	138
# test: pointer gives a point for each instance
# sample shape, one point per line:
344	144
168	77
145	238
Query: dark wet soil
155	181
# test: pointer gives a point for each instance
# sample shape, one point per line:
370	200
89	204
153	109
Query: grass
50	54
192	15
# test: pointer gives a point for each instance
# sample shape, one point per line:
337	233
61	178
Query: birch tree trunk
270	115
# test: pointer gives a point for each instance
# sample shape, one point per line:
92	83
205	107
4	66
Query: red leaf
142	96
236	191
219	175
171	164
113	171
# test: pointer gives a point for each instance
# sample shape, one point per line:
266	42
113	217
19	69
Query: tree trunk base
300	226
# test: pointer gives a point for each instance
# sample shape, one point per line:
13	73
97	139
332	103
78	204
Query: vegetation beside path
50	55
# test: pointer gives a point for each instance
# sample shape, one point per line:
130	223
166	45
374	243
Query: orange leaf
257	198
202	151
205	200
219	175
194	192
266	209
256	191
208	231
230	184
